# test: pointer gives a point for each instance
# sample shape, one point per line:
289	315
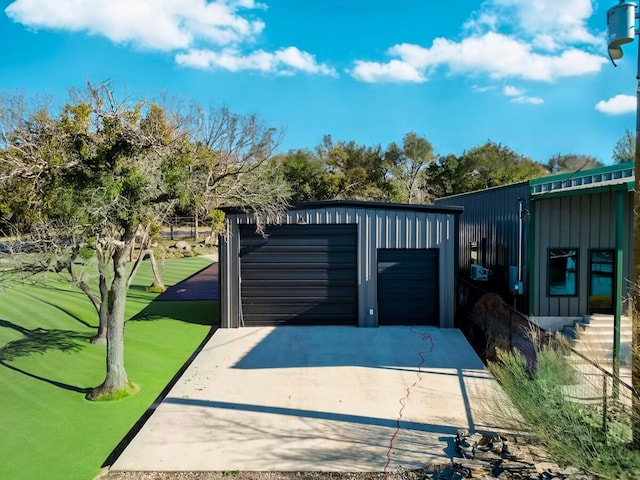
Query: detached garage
340	262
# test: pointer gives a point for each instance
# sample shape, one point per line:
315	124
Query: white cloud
617	105
517	95
536	40
395	71
523	99
483	88
203	33
546	24
285	61
493	54
511	91
166	25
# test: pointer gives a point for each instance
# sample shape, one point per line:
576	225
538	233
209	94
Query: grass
47	428
573	432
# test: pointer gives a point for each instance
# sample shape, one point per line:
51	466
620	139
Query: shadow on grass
202	312
39	341
58	307
55	383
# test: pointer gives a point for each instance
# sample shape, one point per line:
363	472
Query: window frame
577	272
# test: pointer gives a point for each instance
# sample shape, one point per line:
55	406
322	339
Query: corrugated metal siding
377	228
584	222
490	218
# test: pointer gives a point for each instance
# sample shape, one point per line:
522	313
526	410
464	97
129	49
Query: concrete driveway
318	399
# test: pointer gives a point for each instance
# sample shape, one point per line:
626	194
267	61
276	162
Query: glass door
601	281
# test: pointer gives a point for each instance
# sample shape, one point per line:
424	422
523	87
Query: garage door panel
309	276
299	274
408	292
288	260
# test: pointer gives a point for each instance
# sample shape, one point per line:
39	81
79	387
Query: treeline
411	172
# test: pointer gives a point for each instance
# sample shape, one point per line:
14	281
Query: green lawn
47	429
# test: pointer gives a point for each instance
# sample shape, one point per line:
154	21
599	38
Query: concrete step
600	320
602	326
596	334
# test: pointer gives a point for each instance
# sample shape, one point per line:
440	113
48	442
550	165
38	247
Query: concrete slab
318	399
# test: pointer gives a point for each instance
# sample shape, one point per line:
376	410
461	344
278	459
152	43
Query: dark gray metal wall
299	275
379	226
490	218
584	221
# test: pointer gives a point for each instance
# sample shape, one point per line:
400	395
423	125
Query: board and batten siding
585	222
376	228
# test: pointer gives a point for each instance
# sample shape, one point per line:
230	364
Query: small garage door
299	275
408	287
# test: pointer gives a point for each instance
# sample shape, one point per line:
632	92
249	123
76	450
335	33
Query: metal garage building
341	262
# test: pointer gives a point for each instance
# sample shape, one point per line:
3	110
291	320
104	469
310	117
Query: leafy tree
307	175
101	172
571	163
359	172
489	165
494	165
408	166
625	149
451	175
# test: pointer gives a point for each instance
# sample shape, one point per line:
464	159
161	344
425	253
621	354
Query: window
474	252
601	280
563	272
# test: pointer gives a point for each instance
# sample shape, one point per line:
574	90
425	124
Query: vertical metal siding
492	215
585	221
393	228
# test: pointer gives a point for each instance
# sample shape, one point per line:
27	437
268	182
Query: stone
182	245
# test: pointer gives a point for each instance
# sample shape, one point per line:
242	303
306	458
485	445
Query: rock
492	456
182	245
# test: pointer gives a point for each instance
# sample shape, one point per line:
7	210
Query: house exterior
341	263
559	246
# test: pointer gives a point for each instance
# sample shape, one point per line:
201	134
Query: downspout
618	286
520	238
531	260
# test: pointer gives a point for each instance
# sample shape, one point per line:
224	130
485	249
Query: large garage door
299	275
408	287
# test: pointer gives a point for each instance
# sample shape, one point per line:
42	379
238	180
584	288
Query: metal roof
361	204
621	174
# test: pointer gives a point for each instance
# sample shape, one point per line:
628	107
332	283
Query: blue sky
530	74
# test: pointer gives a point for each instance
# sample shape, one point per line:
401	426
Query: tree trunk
101	336
157	278
103	310
196	227
116	383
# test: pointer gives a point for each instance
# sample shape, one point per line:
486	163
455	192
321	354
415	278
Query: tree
625	149
229	162
494	165
571	163
102	172
450	175
359	172
307	175
408	166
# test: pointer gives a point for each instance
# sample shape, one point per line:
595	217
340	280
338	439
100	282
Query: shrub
573	432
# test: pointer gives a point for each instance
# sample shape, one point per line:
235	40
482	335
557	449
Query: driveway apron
318	399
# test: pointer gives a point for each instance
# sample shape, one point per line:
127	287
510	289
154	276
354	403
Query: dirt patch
400	475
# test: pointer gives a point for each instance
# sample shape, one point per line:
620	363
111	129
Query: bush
572	432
